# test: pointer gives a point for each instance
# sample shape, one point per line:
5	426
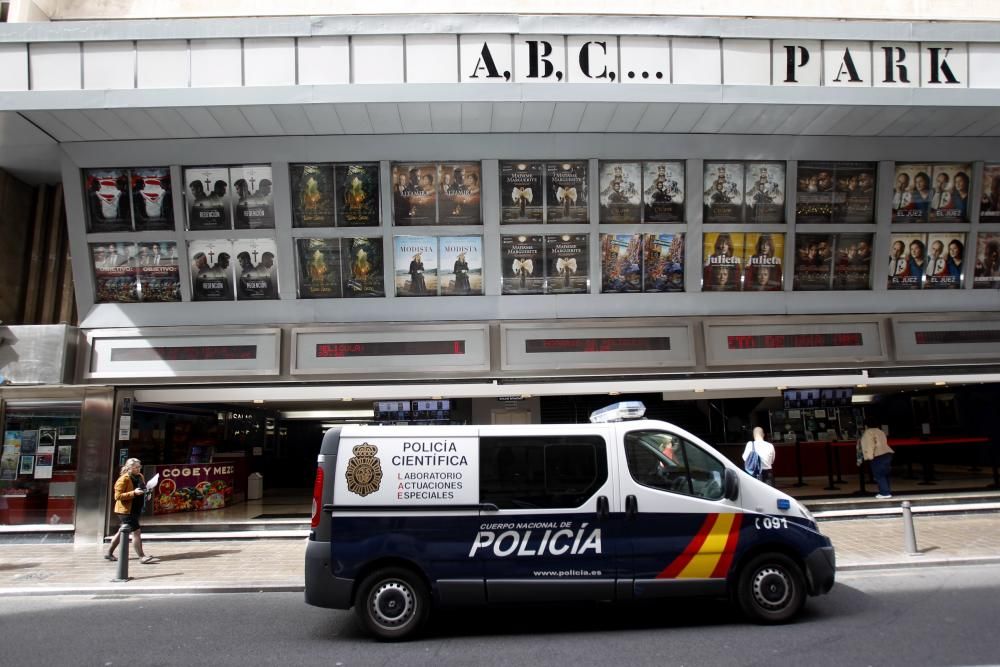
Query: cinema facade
280	223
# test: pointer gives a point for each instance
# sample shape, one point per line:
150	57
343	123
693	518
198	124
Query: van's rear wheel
771	589
392	604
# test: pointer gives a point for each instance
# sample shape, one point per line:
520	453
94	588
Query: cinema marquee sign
665	60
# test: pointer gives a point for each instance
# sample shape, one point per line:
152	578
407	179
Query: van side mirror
732	485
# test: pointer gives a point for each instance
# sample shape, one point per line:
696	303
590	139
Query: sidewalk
275	564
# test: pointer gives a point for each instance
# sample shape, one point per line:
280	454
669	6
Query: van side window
671	463
535	472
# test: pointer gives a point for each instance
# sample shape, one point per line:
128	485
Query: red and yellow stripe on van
710	553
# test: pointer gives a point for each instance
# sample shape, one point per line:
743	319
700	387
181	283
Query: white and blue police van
409	518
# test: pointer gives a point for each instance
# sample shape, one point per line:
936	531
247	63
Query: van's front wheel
392	604
771	589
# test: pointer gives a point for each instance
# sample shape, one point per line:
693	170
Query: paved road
924	616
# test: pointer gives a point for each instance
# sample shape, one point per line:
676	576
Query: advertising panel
765	192
416	265
253	191
621	262
567	266
318	263
521	195
723	199
357	195
414	195
159	272
813	262
663	191
108	208
211	270
523	262
114	272
152	199
256	272
209	206
763	258
945	261
459	194
663	263
853	267
621	189
911	194
723	255
989	188
566	192
950	198
312	195
362	266
461	265
907	260
987	273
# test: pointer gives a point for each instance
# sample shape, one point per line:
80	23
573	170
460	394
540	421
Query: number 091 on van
409	518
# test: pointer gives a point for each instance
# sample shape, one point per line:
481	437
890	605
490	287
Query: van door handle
603	508
631	506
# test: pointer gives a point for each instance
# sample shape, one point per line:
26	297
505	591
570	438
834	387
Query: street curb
124	589
918	561
207	589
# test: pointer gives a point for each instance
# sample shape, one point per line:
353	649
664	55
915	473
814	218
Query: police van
407	518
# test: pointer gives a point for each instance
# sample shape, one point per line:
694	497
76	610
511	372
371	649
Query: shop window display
38	464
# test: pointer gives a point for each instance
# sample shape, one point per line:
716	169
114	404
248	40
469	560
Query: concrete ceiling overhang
32	124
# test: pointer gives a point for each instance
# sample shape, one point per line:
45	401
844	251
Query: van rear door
681	532
550	536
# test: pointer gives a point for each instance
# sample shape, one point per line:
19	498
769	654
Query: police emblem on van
364	470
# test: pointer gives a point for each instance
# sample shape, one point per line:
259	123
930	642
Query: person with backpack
758	457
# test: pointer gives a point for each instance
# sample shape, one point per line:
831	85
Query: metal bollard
123	554
909	534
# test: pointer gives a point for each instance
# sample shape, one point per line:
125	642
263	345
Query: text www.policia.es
567	573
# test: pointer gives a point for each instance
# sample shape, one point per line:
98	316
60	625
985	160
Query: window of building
541	472
38	463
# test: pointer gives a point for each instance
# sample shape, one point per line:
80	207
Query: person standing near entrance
765	451
130	489
875	448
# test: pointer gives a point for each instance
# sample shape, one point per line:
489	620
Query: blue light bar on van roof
618	412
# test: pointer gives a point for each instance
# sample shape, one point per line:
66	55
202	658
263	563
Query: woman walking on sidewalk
130	489
875	448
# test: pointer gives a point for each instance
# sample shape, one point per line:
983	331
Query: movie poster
211	270
987	273
950	193
459	196
663	263
853	266
152	199
10	455
989	188
663	191
764	254
312	195
416	265
159	271
256	273
357	195
414	194
461	259
208	201
567	267
723	255
911	193
523	261
815	192
318	268
362	266
566	192
108	208
114	273
907	260
723	200
521	197
813	262
621	262
765	192
621	192
252	191
854	194
945	261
